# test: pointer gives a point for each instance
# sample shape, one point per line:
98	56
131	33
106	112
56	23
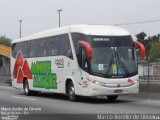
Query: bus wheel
26	88
112	98
71	92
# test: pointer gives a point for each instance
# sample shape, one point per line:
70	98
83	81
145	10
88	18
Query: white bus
77	60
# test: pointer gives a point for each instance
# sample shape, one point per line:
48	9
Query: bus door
83	81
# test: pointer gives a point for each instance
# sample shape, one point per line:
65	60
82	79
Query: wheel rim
26	88
71	92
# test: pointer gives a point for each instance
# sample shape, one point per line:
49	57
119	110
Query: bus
77	60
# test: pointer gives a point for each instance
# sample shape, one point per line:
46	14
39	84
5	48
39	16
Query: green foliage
152	45
5	41
141	36
154	51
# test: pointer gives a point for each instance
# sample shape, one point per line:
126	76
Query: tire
112	98
26	88
71	92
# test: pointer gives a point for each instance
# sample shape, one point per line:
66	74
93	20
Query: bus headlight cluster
99	83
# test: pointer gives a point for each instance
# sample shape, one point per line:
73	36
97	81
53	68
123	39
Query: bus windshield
113	56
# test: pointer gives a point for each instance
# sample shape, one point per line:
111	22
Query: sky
41	15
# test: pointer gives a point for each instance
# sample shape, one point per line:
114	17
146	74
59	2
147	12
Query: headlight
136	81
98	83
130	81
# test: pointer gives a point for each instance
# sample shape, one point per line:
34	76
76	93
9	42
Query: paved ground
151	91
59	105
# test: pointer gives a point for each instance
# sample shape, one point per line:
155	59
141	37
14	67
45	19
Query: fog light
94	91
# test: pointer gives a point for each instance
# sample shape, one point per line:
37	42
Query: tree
154	53
152	45
5	41
141	37
158	36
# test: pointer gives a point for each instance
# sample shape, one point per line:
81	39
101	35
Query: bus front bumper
98	90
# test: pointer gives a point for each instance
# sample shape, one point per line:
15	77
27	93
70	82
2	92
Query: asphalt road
13	100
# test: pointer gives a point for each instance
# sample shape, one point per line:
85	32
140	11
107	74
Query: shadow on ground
90	100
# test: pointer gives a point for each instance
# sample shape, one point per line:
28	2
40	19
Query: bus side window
83	59
42	47
52	46
33	50
69	53
76	37
24	49
21	46
14	50
64	47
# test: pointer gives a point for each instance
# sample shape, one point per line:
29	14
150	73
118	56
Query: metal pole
3	61
59	12
148	72
20	29
59	19
148	64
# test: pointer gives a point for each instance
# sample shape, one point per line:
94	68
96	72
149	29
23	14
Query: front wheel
112	98
71	92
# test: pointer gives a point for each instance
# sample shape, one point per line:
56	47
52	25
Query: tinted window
110	41
77	37
55	45
14	50
52	46
22	46
33	50
41	47
64	47
24	49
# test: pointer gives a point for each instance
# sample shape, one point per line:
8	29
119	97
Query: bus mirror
142	48
87	47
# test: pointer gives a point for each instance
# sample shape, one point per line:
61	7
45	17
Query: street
49	103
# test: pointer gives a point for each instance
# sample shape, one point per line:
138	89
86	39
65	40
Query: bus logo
21	68
118	85
59	62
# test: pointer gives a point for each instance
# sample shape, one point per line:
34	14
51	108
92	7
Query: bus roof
105	30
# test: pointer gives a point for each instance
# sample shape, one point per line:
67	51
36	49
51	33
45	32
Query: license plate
118	91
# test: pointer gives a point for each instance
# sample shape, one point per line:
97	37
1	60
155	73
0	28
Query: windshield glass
113	56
